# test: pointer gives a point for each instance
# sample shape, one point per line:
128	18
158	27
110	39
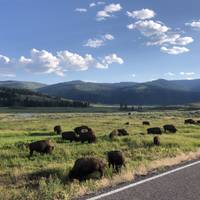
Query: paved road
183	184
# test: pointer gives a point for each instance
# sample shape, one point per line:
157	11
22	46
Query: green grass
45	177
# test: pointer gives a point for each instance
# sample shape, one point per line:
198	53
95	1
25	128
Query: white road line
143	181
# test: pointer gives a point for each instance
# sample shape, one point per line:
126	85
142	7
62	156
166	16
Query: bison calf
154	130
116	159
70	135
58	129
86	166
169	128
156	141
43	146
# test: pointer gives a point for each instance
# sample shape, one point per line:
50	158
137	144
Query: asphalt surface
179	185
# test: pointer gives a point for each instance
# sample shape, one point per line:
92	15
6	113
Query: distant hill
159	92
21	85
23	97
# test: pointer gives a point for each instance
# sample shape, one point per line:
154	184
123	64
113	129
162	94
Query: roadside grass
45	176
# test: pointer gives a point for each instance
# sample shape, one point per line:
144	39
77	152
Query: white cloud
42	61
92	5
187	73
7	75
133	75
175	50
109	37
174	39
107	12
82	10
97	3
96	43
142	14
112	58
7	67
149	27
169	74
194	24
73	61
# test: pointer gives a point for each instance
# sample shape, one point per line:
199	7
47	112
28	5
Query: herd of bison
85	166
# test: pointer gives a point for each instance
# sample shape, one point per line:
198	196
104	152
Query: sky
54	41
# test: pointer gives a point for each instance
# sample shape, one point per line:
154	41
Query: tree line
23	97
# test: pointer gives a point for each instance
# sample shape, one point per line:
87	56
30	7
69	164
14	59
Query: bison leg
109	164
31	153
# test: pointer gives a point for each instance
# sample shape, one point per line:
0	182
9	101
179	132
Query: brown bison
146	123
169	128
85	134
70	135
42	146
127	123
58	129
156	141
86	166
116	159
118	132
154	130
189	121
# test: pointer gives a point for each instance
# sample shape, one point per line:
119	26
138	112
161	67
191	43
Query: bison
154	130
70	135
156	141
82	129
58	129
169	128
86	166
118	132
127	123
116	159
146	123
189	121
85	134
42	146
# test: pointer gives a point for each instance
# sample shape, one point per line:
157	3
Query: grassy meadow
45	176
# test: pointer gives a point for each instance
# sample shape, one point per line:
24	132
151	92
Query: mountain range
158	92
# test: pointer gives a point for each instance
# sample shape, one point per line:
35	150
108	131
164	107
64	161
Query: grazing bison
169	128
70	135
116	159
85	134
42	146
122	132
86	166
198	122
127	123
118	132
146	123
129	113
87	137
82	129
156	141
154	130
189	121
58	129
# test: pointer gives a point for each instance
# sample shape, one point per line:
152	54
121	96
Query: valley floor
45	176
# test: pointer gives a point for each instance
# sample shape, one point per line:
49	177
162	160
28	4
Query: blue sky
102	41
